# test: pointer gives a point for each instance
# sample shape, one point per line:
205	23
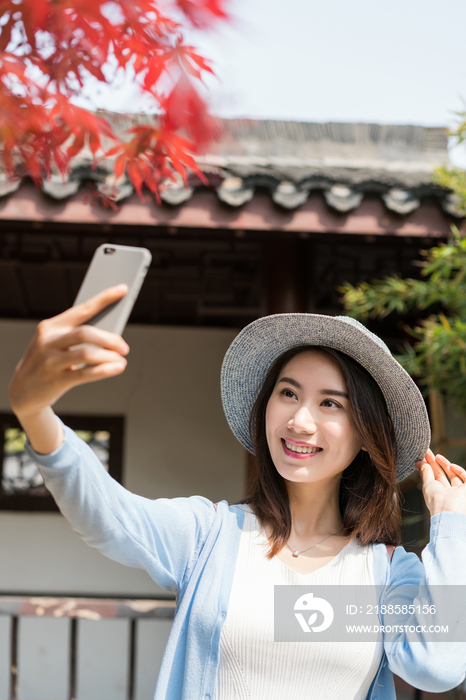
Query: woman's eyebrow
289	380
334	392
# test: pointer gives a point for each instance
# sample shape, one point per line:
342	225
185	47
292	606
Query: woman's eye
287	392
330	402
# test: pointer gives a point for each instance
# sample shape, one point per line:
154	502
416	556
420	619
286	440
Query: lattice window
21	484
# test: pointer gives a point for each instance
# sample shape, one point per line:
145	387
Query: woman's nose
302	421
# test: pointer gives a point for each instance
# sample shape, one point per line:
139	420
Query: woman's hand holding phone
50	365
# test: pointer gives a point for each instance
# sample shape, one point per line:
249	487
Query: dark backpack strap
390	550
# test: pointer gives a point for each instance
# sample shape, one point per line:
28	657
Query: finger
444	465
447	467
438	472
77	315
460	472
87	355
93	335
425	471
94	373
430	458
455	473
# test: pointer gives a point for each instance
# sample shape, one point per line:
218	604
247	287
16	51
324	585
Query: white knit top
254	667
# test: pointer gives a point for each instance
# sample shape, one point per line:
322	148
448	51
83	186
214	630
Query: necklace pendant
295	553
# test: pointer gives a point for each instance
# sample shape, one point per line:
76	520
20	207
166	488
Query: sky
397	62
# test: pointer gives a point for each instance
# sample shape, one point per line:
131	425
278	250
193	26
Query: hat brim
258	345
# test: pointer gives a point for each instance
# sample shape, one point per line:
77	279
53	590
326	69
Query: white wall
177	443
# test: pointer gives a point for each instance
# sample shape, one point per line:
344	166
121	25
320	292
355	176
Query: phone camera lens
109	251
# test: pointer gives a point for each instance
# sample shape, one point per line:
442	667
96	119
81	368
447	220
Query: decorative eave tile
400	201
343	198
233	192
60	187
288	196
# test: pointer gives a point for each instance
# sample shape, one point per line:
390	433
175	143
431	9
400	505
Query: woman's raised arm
162	536
52	365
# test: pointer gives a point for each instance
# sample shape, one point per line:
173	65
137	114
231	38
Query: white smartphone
112	265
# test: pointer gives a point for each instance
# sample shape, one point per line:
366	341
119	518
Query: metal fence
52	648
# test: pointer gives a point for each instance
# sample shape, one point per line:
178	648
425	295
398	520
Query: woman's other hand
443	484
52	365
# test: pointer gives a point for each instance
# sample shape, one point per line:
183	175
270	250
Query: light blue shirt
190	548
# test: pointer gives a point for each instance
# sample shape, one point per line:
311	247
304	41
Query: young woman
334	422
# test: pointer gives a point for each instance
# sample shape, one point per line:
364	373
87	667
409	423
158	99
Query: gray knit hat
256	347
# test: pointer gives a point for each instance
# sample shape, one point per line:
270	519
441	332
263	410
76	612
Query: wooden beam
205	211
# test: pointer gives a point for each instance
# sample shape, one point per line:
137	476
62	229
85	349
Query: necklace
295	551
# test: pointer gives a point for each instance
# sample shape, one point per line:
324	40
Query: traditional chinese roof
290	161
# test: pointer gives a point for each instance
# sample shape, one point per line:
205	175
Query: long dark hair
369	496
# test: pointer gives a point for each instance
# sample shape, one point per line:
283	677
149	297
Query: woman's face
309	429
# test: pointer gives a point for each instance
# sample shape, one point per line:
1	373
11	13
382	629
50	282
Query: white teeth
300	448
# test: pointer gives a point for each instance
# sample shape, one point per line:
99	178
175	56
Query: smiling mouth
301	449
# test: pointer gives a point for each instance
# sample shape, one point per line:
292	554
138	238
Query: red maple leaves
47	50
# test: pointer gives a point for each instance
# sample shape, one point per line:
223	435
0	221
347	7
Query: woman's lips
298	455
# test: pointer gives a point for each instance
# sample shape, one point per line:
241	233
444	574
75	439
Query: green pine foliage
437	357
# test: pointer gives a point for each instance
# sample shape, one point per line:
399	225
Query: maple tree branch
48	50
